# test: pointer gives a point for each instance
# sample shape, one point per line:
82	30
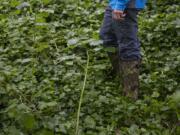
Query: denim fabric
122	34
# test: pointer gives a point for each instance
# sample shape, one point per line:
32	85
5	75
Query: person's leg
109	39
129	52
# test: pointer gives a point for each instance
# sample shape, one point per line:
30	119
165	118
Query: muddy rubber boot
114	58
117	132
130	78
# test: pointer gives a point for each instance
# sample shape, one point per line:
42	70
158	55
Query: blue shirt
122	4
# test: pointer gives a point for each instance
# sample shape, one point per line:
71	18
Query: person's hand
118	15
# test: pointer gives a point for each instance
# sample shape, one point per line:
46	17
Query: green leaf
26	60
42	46
14	131
44	105
90	122
44	132
73	41
46	1
14	3
155	94
27	121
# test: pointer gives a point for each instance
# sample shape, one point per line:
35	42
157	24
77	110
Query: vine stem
82	94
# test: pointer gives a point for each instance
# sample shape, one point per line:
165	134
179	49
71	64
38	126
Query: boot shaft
129	71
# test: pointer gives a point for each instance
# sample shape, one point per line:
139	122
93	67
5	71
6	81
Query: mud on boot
130	78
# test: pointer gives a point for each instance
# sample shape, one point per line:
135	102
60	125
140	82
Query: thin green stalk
82	94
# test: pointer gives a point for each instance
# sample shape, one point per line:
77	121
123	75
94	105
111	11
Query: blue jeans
122	34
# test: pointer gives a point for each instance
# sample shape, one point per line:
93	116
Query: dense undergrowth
43	55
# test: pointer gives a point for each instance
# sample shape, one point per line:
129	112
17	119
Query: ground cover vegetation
47	47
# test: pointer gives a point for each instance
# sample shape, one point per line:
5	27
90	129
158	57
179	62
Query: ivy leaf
44	132
46	1
43	105
22	5
26	60
42	46
90	122
14	131
73	41
27	121
155	94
